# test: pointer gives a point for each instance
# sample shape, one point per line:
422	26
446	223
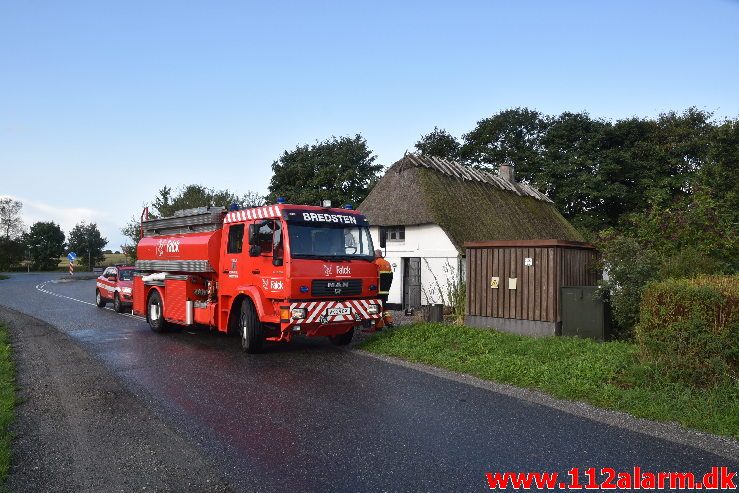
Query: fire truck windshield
339	242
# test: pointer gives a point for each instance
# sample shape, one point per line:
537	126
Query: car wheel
342	339
250	328
99	300
117	305
155	312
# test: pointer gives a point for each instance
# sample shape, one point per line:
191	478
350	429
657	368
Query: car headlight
298	313
126	290
373	309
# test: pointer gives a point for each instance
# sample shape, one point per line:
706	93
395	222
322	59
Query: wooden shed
515	285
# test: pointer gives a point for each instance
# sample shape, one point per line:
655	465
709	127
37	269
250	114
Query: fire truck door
267	268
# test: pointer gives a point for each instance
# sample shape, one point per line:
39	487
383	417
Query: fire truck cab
266	273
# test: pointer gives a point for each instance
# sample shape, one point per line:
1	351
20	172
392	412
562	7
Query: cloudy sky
103	103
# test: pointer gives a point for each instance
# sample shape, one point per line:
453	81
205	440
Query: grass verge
7	402
604	374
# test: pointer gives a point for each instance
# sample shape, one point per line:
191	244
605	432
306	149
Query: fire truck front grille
336	287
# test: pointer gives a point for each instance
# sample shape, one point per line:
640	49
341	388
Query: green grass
7	402
4	277
604	374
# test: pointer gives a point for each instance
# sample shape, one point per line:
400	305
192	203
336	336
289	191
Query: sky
103	103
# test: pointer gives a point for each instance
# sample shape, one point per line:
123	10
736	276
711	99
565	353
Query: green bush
689	329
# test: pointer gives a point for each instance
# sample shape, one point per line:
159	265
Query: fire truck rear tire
250	328
99	300
158	325
343	339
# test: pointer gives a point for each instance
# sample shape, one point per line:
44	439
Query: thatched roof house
466	203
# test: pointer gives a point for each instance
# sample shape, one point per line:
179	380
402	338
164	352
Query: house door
411	282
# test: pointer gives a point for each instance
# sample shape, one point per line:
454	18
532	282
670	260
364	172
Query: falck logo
171	246
327	270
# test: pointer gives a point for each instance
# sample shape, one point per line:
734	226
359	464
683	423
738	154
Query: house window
395	233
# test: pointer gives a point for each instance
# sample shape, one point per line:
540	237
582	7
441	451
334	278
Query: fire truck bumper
328	318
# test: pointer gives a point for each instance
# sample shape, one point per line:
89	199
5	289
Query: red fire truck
265	273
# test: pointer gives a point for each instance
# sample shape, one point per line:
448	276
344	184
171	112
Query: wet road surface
312	417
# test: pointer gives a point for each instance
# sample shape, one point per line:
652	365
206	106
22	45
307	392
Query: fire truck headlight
373	309
126	290
298	313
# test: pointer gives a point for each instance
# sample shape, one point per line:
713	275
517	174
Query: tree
189	197
439	143
86	241
45	243
511	136
12	251
252	199
11	224
131	230
568	173
340	169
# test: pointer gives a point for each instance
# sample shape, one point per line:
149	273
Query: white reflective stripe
272	211
242	216
361	311
316	312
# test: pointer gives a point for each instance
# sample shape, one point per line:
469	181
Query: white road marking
42	287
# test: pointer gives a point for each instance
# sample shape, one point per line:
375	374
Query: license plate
338	311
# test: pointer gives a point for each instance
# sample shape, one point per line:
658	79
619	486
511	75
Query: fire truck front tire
250	328
155	312
343	339
99	300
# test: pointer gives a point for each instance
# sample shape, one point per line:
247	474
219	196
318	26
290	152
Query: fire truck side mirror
253	236
254	251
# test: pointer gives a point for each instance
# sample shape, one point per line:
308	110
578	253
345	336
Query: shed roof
467	203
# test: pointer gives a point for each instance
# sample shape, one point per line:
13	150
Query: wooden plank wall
578	267
533	297
537	293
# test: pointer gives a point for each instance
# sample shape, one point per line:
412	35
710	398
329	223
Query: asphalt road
312	417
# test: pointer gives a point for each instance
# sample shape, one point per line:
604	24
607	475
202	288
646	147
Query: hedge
689	329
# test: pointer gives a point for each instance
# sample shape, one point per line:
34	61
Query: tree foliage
340	169
11	224
45	242
87	242
12	252
510	137
439	143
191	196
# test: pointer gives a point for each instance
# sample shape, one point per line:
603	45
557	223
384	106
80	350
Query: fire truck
266	273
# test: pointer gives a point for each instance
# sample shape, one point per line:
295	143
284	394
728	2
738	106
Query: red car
116	285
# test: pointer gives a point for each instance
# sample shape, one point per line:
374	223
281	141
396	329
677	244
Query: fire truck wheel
99	300
250	328
117	305
155	307
343	339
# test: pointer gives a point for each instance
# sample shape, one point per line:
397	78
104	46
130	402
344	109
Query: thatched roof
468	204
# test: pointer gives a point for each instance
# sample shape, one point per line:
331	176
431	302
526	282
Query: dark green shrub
689	329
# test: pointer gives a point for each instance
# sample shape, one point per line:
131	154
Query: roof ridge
461	172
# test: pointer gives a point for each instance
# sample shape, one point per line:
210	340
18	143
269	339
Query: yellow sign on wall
494	281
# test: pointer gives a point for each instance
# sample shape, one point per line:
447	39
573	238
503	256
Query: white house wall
438	260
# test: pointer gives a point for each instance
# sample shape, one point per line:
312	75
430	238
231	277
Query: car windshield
330	241
125	275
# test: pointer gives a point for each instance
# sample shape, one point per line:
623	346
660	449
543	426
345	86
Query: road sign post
72	257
